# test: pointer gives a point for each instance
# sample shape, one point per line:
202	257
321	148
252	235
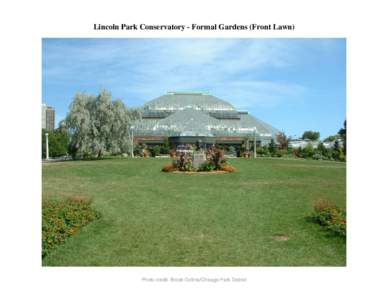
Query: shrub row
61	219
321	152
146	151
308	152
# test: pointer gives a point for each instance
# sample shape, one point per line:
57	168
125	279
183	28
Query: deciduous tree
311	135
58	143
282	140
97	124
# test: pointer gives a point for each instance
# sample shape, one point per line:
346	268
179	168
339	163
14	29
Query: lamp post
131	134
47	146
254	143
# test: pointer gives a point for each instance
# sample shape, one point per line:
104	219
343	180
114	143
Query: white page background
24	23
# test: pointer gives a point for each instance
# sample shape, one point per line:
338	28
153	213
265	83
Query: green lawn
151	218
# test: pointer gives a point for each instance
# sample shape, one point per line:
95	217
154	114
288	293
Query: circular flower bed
215	162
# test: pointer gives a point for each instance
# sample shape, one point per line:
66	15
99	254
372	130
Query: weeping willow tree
97	124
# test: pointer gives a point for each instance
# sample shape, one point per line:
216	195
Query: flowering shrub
183	161
228	168
172	153
169	168
61	219
330	216
215	157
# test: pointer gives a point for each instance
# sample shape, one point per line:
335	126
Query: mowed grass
254	217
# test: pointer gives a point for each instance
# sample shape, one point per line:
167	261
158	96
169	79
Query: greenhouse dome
173	101
189	117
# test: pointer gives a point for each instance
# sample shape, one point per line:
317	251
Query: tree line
281	147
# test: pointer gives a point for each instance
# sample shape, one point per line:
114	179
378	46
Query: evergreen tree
58	141
272	147
342	133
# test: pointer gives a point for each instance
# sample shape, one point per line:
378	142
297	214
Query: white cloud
146	68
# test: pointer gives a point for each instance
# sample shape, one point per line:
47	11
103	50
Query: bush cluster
143	150
321	152
62	219
330	216
308	152
155	150
267	151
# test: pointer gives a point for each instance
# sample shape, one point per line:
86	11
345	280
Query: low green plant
206	167
262	151
62	219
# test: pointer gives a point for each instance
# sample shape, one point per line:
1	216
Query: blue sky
293	84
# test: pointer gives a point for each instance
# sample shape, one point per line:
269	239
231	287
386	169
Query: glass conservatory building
188	118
